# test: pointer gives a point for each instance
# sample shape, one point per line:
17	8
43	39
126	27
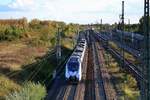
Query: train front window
73	66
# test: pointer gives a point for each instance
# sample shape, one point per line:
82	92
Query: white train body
73	70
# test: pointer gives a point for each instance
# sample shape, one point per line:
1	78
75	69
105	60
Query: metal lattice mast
122	28
147	49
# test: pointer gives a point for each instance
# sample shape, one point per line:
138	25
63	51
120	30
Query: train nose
72	73
74	76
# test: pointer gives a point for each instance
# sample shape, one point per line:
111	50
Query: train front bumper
73	76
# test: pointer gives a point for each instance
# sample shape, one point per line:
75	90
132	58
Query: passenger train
73	68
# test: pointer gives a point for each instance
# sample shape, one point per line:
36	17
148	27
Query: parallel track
90	87
98	86
128	65
109	90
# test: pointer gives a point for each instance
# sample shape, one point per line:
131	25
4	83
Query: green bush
30	91
10	33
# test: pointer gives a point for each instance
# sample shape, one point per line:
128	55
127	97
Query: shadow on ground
39	71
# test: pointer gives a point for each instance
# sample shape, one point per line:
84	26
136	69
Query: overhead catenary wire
11	74
60	65
39	66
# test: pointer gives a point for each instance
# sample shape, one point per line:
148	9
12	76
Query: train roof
77	53
79	47
74	59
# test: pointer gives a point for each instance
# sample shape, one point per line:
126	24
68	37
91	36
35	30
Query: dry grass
9	48
14	55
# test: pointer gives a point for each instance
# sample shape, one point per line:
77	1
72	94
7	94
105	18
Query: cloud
22	4
18	5
80	11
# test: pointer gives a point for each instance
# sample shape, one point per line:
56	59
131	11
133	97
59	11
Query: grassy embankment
26	56
127	55
27	64
125	84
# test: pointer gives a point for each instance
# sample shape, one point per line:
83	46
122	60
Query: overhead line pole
147	47
122	28
101	24
128	25
58	45
122	39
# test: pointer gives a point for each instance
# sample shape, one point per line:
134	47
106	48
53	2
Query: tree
35	24
141	25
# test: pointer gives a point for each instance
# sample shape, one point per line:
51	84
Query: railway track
98	86
130	67
62	90
109	90
99	80
95	83
90	87
106	90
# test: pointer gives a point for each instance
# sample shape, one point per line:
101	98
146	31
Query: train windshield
73	66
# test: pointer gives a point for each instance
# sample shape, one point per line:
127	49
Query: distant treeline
12	29
38	31
137	28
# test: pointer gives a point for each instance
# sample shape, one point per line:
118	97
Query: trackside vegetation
30	91
124	83
28	56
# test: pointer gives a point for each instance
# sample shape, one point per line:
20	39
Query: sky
75	11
